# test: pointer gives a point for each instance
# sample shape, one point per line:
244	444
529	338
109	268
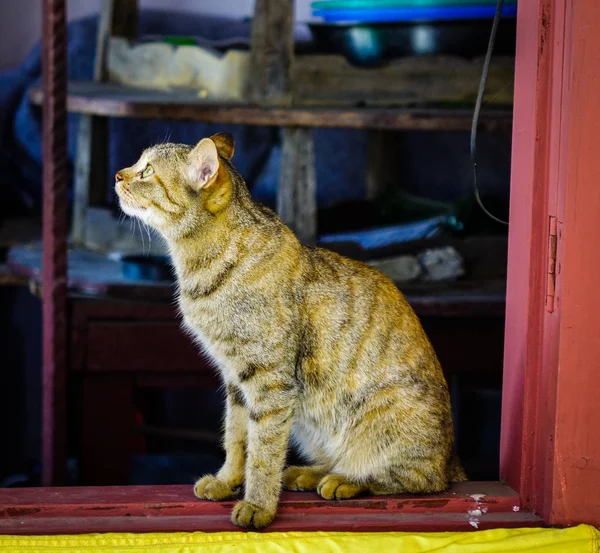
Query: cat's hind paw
335	486
302	478
248	515
211	488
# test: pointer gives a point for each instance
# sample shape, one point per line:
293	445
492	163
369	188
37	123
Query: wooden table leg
108	420
297	193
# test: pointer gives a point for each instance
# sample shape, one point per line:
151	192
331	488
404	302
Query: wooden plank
318	80
549	448
541	405
171	508
526	253
297	521
331	80
297	192
118	101
177	500
573	436
272	52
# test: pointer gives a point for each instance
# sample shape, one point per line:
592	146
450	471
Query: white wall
21	21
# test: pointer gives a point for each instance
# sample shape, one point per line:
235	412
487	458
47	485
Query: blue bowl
392	15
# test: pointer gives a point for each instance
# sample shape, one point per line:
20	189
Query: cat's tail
455	469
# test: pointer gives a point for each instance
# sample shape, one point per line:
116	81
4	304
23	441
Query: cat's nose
118	177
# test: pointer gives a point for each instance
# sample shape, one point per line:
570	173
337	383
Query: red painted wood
530	334
136	500
523	236
575	439
54	242
541	408
285	522
140	346
172	508
85	310
550	448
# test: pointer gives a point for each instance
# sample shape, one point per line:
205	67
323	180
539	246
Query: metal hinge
551	283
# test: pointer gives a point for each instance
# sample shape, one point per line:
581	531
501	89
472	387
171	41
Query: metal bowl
378	43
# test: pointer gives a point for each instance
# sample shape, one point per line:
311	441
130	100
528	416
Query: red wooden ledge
466	506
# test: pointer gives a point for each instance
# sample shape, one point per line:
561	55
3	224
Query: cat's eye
149	170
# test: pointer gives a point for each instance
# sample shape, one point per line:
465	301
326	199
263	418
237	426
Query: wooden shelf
112	100
93	275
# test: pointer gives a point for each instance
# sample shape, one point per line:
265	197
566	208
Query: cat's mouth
131	207
128	203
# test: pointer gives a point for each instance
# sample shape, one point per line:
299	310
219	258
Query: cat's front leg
270	422
227	482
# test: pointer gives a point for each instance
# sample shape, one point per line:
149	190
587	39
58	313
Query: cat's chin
137	211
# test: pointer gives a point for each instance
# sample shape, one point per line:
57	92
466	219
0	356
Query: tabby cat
310	345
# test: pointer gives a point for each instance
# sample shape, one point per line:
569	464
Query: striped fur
311	346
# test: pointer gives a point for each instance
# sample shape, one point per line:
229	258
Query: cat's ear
203	164
224	143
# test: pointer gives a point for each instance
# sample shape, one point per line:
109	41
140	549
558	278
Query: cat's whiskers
139	225
149	236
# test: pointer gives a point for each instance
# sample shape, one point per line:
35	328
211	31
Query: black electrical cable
480	93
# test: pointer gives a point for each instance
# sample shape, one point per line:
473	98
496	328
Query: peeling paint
431	503
21	511
163	506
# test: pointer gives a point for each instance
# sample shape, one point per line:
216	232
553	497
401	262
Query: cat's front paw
248	515
211	488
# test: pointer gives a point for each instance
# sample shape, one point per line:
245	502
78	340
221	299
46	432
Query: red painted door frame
550	451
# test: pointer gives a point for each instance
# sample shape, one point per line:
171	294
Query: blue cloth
340	154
